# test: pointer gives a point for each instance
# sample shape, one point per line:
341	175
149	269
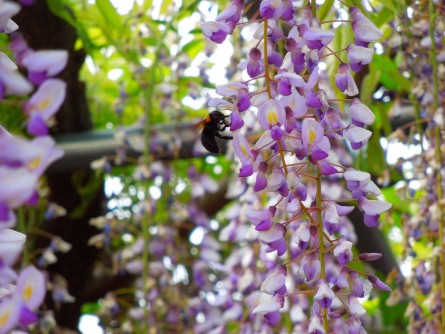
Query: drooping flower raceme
22	163
298	126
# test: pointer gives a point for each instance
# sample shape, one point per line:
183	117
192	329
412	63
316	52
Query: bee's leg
223	137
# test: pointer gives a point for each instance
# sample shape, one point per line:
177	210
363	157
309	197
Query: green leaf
369	85
109	13
59	8
194	47
393	315
324	9
384	16
90	308
390	77
165	6
375	156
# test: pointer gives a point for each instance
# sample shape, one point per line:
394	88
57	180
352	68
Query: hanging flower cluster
22	163
424	222
299	127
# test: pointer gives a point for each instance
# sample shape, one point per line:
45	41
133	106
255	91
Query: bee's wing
199	125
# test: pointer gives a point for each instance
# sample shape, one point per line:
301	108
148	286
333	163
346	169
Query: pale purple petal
343	252
7	63
272	283
270	235
31	287
215	31
18	185
13	82
232	12
233	313
364	30
7	10
9	313
311	132
48	99
316	38
359	55
357	176
242	148
296	102
293	78
324	295
11	244
271	113
361	114
357	135
355	308
231	89
271	9
373	207
267	305
51	62
371	189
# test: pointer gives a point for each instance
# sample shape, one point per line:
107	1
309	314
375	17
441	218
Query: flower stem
319	203
266	61
283	161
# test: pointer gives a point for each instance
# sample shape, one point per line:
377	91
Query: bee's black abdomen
208	140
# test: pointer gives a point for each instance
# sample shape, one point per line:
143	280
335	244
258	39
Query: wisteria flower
232	13
324	295
18	185
44	64
216	31
254	66
361	114
274	239
344	80
357	137
270	116
343	251
271	9
243	151
359	56
7	10
9	314
45	102
315	38
364	30
261	219
11	81
11	244
30	290
275	283
36	155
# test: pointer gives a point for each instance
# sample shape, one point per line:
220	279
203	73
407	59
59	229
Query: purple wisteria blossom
22	164
297	127
44	64
7	10
43	105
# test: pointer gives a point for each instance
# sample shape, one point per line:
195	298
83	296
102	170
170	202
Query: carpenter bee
211	127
